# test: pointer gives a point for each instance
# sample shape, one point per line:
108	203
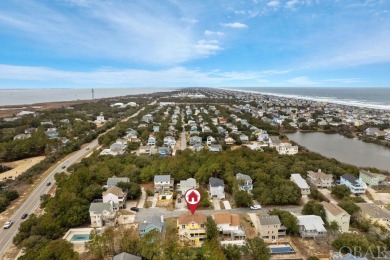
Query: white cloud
132	77
213	33
345	80
273	4
235	25
207	47
291	4
122	30
302	81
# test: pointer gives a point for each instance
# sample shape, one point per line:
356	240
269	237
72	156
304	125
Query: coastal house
113	181
357	186
311	226
102	214
151	141
229	140
152	223
271	229
320	179
184	185
375	214
334	213
244	182
210	140
215	147
148	118
22	136
217	188
229	224
116	195
301	183
169	141
51	133
371	131
163	184
126	256
195	140
373	179
145	149
192	227
244	138
286	148
100	119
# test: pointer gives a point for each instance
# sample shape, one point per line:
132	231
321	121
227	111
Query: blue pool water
287	249
80	237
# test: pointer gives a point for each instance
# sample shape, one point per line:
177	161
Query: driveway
255	220
141	202
155	199
216	204
327	195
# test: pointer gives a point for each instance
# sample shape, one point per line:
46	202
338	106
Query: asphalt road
33	201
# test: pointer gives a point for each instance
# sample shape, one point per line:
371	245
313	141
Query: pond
351	151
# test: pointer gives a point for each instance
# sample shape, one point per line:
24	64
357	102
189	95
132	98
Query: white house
116	195
229	224
100	119
301	183
210	140
151	141
163	184
320	179
185	185
169	141
287	148
311	226
217	188
101	214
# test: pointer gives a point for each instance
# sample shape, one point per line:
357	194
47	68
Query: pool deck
77	231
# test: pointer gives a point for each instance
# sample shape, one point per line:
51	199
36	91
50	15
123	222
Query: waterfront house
311	226
357	186
301	183
320	179
152	223
192	228
373	179
244	182
334	213
286	148
217	188
375	214
271	229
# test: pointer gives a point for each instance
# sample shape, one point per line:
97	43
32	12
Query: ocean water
378	98
31	96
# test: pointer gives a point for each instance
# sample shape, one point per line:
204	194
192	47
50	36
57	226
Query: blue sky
216	43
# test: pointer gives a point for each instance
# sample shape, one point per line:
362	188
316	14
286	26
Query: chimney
162	218
319	170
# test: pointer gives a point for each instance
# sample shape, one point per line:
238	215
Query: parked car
63	166
134	209
8	224
48	184
24	215
255	207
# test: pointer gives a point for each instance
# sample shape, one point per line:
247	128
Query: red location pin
192	197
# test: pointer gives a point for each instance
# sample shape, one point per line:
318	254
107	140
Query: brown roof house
192	227
229	224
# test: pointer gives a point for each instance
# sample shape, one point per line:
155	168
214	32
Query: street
33	201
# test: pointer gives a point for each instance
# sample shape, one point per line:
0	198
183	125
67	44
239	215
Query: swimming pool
282	249
80	237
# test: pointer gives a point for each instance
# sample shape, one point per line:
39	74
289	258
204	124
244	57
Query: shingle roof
162	178
114	190
227	218
244	177
373	210
187	218
99	207
215	182
297	178
312	222
152	221
269	220
113	181
350	178
333	208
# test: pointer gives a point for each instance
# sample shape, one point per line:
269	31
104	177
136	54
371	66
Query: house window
192	224
183	226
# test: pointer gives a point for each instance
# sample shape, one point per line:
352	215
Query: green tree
242	199
288	220
212	231
341	191
257	249
232	252
211	250
314	208
349	206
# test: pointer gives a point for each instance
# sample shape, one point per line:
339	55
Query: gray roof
99	207
373	210
162	178
113	181
126	256
215	182
152	221
350	178
244	177
269	220
297	178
